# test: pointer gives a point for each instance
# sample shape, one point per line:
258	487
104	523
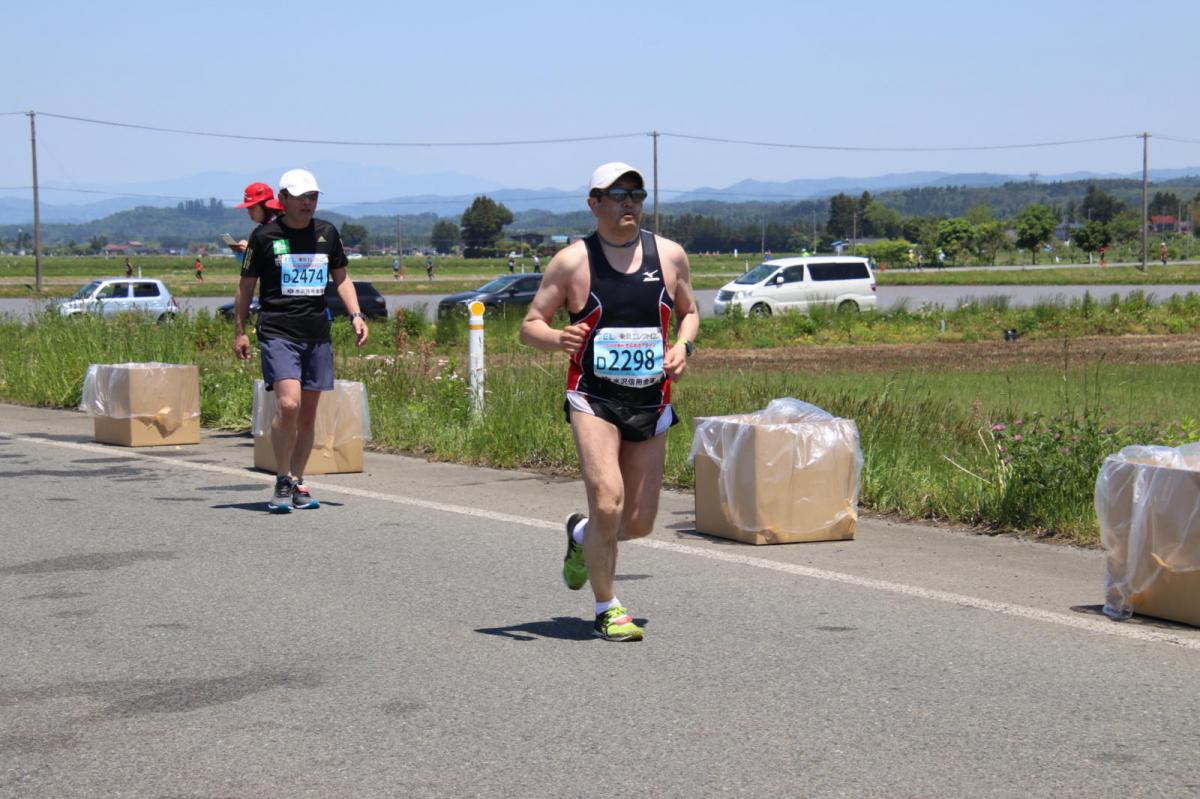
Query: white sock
609	605
578	532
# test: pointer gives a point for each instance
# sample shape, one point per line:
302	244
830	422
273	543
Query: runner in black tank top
620	370
636	310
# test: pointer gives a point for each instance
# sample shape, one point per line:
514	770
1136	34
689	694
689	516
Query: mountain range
389	192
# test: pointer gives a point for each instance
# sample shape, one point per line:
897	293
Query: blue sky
865	74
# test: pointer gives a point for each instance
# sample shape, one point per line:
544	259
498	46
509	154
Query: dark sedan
370	301
506	291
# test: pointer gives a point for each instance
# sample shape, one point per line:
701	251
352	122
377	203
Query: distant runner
294	257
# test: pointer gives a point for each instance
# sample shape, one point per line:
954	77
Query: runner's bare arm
241	309
686	311
345	289
554	294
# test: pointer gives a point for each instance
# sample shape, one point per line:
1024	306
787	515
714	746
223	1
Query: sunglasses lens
620	195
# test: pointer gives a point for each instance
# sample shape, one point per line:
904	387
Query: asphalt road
162	636
889	297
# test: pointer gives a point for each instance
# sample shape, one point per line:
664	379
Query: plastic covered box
1148	505
343	423
787	473
143	404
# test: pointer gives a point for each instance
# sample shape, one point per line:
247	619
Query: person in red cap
259	201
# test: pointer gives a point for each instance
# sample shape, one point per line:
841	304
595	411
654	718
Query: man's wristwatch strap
358	315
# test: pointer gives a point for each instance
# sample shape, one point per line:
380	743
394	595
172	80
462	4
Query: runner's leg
599	443
283	426
306	422
641	464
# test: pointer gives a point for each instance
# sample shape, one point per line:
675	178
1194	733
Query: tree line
1092	217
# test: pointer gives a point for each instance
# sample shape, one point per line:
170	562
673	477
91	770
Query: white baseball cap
608	174
298	181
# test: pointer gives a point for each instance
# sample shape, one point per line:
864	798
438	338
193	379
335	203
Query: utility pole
399	241
655	134
814	221
37	218
1145	196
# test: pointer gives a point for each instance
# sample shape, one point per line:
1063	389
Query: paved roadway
162	636
889	297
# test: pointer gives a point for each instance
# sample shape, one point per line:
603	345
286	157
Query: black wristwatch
358	315
688	347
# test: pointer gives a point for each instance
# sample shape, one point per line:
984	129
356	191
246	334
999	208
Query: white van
797	284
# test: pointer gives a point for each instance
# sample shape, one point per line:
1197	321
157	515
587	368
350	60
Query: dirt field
959	357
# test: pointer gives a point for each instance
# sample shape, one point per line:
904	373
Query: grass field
61	276
1005	446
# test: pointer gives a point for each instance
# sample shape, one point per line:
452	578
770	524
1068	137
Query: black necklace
624	246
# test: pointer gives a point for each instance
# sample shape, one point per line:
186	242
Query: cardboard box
772	483
143	404
1149	516
341	427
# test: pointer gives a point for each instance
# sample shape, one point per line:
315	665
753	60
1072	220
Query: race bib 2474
303	275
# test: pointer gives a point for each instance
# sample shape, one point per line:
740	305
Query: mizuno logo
650	277
320	239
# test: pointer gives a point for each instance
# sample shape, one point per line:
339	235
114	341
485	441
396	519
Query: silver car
117	295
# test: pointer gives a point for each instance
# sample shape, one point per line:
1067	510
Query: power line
898	149
607	137
13	113
344	143
1177	139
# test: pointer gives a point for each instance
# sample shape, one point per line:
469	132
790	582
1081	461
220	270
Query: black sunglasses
620	195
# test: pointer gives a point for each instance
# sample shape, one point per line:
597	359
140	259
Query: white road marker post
475	357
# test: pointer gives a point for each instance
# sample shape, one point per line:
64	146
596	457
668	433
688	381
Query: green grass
1077	276
933	441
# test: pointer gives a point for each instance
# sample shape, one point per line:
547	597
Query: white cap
298	181
607	174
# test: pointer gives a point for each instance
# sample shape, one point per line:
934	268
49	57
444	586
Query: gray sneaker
281	495
302	499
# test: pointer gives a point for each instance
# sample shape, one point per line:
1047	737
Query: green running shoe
574	569
615	624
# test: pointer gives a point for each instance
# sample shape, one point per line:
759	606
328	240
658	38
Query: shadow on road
563	627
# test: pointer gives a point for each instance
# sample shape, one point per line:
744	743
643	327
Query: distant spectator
537	263
128	268
1162	253
199	267
261	206
429	266
511	264
395	267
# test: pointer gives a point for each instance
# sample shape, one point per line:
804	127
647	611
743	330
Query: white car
798	284
111	296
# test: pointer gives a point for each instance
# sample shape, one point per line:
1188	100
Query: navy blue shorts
310	362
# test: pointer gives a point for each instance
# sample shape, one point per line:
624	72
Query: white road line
1093	625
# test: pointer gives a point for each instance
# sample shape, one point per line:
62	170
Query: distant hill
552	211
356	190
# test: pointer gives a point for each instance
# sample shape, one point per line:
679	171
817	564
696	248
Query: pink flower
1018	437
998	427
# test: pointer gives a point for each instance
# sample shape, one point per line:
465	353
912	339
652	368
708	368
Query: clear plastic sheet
1148	506
342	415
165	393
791	469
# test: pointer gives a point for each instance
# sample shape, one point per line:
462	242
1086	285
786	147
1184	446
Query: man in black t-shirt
292	258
